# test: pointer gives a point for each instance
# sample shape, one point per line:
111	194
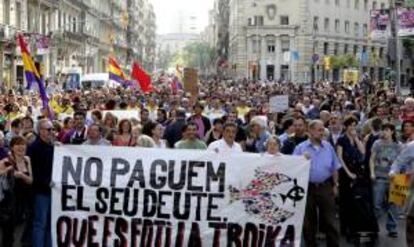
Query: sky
167	12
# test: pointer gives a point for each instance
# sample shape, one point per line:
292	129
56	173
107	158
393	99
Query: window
250	22
326	24
336	48
346	26
74	24
382	5
6	12
356	29
374	5
337	26
59	19
364	48
325	48
64	22
258	20
284	20
348	3
18	15
285	44
355	51
316	23
346	49
271	46
381	52
356	4
373	51
256	45
365	5
337	3
365	30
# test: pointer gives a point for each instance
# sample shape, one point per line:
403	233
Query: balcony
73	36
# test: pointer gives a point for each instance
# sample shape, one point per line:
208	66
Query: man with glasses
41	157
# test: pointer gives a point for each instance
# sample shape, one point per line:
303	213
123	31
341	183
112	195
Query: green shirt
188	144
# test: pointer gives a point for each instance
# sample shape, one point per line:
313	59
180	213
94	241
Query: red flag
141	77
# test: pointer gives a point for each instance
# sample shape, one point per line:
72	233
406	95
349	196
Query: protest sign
191	81
380	23
399	189
351	76
279	103
114	196
405	22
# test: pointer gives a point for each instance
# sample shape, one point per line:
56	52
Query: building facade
293	40
67	34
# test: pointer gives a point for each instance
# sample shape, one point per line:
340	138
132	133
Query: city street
199	123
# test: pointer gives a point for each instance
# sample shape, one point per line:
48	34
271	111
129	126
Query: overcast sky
167	13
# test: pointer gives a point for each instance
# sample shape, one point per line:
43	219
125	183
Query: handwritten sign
279	103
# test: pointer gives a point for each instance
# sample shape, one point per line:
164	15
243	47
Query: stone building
290	40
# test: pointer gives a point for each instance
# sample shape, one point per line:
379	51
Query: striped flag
115	71
32	73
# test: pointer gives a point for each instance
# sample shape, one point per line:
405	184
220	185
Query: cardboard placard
191	81
279	103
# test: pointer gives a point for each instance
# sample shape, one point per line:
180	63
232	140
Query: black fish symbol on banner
257	198
295	194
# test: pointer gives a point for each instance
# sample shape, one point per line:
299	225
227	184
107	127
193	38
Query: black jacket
173	133
41	158
290	144
206	123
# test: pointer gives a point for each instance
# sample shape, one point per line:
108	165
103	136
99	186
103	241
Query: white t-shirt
221	146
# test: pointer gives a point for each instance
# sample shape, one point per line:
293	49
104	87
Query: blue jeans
42	236
381	204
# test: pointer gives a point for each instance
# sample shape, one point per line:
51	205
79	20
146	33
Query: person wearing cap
260	134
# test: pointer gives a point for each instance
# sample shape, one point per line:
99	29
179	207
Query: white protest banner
121	114
279	103
115	196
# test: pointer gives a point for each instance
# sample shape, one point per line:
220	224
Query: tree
342	61
195	55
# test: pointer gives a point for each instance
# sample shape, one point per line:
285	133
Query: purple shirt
324	161
200	125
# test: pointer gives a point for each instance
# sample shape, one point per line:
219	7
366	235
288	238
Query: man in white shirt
227	144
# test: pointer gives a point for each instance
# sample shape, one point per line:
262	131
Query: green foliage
342	61
195	55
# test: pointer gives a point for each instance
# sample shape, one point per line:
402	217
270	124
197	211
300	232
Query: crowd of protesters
348	133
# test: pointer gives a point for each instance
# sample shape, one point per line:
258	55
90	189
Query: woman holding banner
16	194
